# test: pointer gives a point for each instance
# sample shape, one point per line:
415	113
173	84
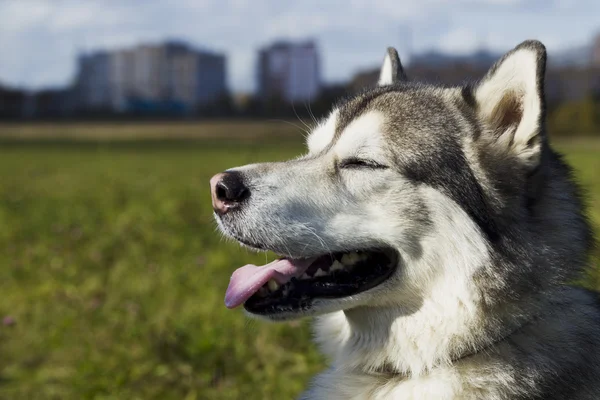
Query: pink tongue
246	280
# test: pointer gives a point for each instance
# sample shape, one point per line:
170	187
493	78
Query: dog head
403	186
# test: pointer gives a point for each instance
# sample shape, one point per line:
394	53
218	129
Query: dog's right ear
391	70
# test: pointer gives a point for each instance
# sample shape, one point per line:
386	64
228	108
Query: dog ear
510	101
391	70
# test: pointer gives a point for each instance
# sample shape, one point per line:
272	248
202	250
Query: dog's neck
406	341
442	330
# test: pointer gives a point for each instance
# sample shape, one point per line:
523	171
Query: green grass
115	277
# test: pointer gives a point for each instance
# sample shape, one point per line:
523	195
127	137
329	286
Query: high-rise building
196	78
121	79
93	86
159	75
289	71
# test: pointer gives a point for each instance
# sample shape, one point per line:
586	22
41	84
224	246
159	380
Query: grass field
112	276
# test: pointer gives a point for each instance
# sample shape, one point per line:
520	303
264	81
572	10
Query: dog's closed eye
356	163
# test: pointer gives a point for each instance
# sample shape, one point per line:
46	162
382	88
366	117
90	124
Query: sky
40	39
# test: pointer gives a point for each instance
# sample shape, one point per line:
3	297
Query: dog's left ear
510	101
391	70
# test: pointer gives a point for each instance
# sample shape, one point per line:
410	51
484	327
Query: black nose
228	190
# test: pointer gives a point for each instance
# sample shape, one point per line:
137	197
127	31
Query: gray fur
489	225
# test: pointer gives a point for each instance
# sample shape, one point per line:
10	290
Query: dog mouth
288	284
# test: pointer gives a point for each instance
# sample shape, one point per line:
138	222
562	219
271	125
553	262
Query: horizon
407	60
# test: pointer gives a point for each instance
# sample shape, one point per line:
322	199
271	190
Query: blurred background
115	114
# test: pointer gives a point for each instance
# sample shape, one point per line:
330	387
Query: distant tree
576	118
221	107
12	103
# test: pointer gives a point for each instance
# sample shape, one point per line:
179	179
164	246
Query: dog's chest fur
564	364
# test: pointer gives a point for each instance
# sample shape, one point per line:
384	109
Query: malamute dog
431	231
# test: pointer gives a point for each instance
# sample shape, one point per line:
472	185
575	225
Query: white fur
322	135
362	138
386	75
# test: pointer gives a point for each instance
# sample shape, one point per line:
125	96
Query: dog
433	233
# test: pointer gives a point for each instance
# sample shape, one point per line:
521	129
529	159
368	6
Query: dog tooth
320	272
351	258
273	285
346	259
304	276
338	266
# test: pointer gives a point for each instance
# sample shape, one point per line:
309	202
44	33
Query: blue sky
39	39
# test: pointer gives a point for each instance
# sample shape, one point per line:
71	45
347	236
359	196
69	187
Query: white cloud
40	38
460	40
19	17
87	15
